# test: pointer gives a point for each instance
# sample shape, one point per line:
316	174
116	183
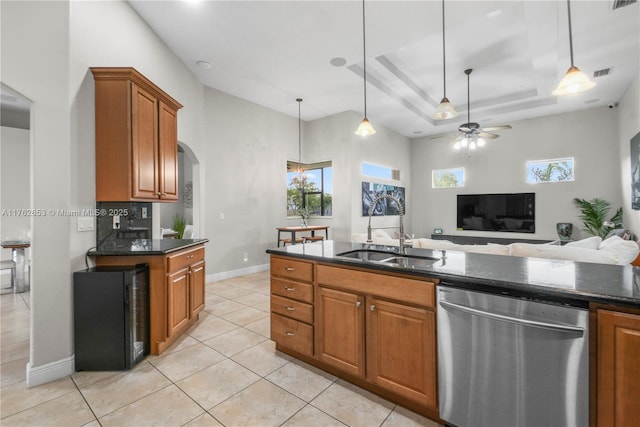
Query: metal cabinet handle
190	256
290	269
372	307
290	308
289	289
358	304
290	334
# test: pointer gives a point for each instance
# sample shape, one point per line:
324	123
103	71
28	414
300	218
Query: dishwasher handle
509	319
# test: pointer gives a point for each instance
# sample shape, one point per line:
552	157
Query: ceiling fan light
457	145
365	128
472	145
464	142
445	110
481	142
574	81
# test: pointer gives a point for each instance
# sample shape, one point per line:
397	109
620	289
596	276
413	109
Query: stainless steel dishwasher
507	362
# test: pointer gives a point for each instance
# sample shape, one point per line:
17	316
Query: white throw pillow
381	234
588	243
562	252
433	244
625	251
486	249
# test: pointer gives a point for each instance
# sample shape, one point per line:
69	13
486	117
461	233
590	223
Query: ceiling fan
471	134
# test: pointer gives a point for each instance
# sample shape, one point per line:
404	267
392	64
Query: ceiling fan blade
488	135
458	138
499	127
464	129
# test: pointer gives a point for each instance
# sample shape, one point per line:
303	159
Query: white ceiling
271	52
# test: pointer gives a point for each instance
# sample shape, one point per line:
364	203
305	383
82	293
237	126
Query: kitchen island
389	347
176	281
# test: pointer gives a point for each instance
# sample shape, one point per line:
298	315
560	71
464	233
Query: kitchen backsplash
118	221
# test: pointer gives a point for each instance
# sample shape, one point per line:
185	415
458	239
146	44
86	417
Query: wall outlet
85	223
144	212
116	222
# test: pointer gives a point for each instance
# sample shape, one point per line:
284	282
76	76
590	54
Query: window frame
294	167
531	163
447	170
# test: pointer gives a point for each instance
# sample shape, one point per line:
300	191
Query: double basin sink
390	258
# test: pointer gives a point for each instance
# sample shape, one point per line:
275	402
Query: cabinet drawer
292	269
419	292
292	334
295	290
291	308
184	258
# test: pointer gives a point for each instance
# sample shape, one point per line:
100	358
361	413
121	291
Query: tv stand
483	240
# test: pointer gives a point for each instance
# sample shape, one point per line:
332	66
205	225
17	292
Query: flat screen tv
508	212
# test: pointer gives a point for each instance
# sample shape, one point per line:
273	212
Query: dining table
292	230
18	256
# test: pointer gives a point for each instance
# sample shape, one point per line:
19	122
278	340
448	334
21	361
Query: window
550	170
309	188
377	171
447	178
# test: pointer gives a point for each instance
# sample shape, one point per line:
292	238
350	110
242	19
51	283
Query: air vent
617	4
601	73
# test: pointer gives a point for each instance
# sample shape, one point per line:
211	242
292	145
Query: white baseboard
235	273
50	371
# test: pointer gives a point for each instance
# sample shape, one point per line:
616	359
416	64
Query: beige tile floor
223	372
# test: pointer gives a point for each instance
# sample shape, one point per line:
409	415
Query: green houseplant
593	214
178	225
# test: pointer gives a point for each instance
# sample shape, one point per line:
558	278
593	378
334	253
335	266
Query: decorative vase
564	230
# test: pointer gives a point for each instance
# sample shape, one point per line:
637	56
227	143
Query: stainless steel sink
389	258
368	254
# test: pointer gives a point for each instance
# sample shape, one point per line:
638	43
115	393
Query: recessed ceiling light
204	65
338	61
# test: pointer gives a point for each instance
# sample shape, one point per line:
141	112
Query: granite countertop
136	247
576	283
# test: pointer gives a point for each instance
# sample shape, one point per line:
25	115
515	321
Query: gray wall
590	136
629	126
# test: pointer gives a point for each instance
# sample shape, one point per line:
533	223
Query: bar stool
9	265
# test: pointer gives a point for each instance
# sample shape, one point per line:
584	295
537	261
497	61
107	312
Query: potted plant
593	214
178	225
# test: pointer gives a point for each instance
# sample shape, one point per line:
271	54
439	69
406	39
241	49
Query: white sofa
612	250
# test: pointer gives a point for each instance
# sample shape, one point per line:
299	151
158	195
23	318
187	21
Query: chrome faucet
403	247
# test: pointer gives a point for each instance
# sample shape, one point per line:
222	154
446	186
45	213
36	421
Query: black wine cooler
111	317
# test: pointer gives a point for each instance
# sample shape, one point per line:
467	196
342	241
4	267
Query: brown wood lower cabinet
376	330
618	368
401	349
340	330
176	291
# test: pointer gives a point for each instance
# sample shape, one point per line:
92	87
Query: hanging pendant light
300	168
365	127
574	80
445	109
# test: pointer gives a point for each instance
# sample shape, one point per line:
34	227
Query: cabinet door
618	375
401	350
196	288
177	301
340	330
168	152
144	128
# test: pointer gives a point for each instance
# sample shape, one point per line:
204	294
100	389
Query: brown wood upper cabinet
136	138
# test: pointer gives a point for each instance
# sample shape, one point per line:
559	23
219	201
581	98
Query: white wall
70	37
629	125
246	148
590	136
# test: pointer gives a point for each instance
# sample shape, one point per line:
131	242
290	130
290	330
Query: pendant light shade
445	109
574	80
365	128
